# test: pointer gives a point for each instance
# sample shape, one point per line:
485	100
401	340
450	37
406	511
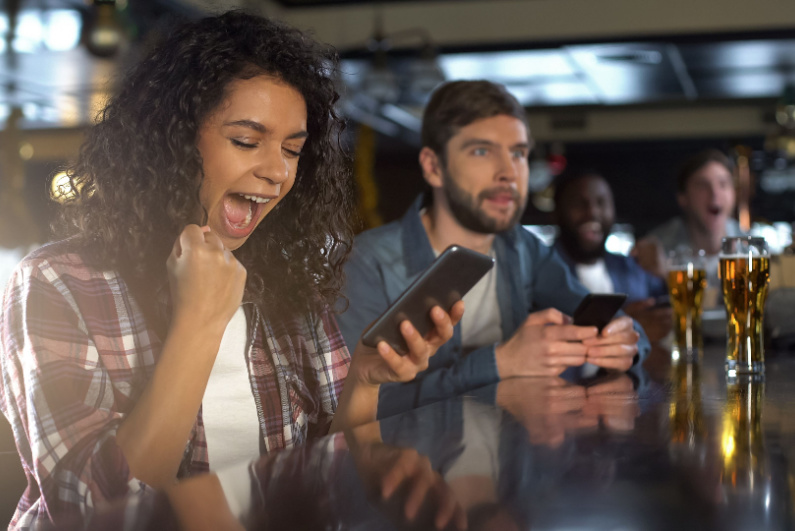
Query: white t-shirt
481	324
230	415
595	277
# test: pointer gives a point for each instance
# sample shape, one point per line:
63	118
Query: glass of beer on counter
744	272
687	279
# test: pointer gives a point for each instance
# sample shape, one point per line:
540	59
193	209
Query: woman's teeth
255	198
247	220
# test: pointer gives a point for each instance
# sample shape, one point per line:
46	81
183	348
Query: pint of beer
687	279
744	272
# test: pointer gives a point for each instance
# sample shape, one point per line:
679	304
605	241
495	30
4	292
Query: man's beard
577	252
466	207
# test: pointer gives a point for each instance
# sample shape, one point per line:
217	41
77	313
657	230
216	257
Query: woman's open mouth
241	213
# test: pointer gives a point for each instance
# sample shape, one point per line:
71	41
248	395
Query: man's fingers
617	325
629	337
544	317
565	361
622	363
565	348
570	332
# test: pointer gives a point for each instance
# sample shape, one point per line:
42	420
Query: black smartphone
598	309
663	301
444	283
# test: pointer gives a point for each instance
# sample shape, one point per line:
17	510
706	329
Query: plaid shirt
76	355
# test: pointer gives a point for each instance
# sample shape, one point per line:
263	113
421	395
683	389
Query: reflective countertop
677	446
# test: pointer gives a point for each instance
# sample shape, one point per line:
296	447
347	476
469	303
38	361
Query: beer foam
754	254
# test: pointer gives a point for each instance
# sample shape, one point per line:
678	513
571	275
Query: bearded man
585	213
474	158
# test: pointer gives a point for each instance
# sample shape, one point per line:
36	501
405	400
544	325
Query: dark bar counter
678	446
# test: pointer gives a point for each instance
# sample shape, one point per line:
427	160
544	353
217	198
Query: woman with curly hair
184	322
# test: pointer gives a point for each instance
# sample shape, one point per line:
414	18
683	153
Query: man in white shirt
585	213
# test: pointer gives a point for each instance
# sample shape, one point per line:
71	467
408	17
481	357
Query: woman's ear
431	167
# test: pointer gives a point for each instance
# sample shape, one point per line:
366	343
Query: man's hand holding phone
545	345
617	343
615	347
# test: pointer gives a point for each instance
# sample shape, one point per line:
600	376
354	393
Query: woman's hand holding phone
374	366
371	367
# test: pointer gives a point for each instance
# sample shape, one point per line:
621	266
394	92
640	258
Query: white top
595	277
481	324
228	410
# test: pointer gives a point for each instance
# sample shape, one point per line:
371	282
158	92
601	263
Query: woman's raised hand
205	279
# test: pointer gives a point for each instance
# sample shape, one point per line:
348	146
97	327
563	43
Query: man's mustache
494	192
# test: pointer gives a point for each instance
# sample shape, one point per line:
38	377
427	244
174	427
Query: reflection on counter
686	450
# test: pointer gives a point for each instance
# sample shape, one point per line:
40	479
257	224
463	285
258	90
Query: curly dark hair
138	174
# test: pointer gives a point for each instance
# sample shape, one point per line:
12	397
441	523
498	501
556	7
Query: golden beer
742	441
686	290
744	280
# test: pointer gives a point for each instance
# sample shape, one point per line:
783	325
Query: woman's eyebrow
251	124
258	127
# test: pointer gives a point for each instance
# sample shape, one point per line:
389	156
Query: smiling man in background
474	158
585	214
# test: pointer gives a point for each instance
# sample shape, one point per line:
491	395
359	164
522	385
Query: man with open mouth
706	196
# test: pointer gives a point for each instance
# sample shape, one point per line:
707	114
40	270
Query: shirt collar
417	247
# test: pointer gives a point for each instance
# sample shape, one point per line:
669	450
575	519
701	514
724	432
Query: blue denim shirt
627	276
385	260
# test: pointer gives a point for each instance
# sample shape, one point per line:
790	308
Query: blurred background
628	88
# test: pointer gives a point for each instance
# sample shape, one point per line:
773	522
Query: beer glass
687	279
744	272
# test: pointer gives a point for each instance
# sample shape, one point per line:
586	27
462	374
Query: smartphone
598	309
444	283
663	301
